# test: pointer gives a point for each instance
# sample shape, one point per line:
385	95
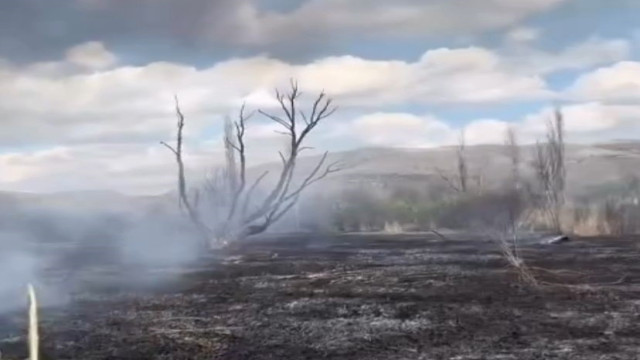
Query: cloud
150	169
444	75
616	83
293	27
587	122
587	54
413	131
584	122
91	55
379	17
522	35
135	168
88	167
485	131
248	22
129	168
399	130
134	103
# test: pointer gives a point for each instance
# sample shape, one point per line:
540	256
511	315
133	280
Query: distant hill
590	167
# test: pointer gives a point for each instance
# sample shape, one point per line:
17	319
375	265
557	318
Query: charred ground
353	297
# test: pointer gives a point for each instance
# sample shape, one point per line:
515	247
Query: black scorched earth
368	297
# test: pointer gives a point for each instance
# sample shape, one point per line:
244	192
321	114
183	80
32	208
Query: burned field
353	297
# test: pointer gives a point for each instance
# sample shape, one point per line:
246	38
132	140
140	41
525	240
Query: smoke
17	268
63	247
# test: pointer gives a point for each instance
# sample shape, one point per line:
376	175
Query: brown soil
356	297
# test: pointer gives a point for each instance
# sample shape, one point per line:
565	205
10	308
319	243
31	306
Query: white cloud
412	131
522	35
485	131
149	169
617	83
463	75
583	122
129	168
107	118
130	103
89	167
91	55
134	168
587	122
400	130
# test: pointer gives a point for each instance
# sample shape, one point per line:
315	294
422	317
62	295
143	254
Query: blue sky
91	81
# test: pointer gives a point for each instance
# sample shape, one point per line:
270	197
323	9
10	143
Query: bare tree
513	153
460	182
516	201
243	217
550	169
186	203
231	168
514	206
463	170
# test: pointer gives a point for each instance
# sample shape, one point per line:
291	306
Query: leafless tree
460	182
231	168
516	201
242	216
186	202
513	153
549	166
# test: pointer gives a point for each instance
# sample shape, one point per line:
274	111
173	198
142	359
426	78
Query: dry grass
393	228
609	218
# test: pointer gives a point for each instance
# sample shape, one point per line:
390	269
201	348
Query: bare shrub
510	251
516	215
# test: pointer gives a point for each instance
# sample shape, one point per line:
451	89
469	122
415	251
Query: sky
87	86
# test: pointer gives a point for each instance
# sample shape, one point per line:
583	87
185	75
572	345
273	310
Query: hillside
589	167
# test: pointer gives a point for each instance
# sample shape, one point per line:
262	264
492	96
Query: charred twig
439	234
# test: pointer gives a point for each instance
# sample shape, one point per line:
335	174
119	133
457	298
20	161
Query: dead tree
231	168
550	169
513	153
460	182
243	217
515	198
185	202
